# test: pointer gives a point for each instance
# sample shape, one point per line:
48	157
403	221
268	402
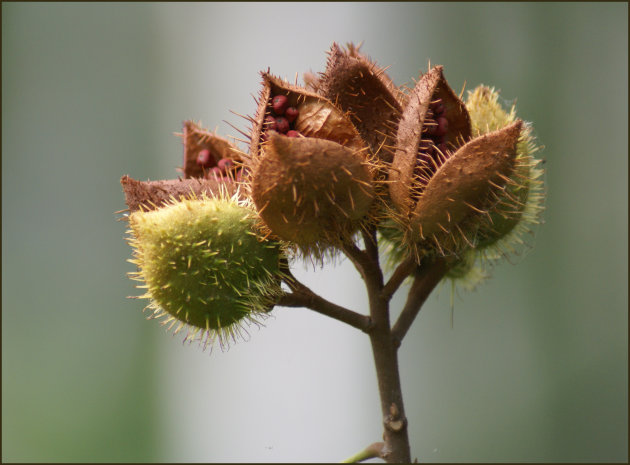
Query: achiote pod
516	208
203	264
463	190
209	156
520	204
312	176
364	90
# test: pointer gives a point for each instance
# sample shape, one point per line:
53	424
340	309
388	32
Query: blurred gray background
536	365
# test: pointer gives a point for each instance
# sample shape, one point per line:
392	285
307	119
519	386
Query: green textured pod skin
203	264
520	203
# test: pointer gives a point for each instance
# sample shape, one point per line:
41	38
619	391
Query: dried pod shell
311	191
150	195
463	185
197	139
358	86
430	88
317	116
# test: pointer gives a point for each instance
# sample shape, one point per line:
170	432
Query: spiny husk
312	192
204	266
463	190
404	183
195	139
360	87
150	195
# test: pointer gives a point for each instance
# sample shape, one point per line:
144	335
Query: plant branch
370	452
365	262
314	302
371	245
303	296
404	269
426	278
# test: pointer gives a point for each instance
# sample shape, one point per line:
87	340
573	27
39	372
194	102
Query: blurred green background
536	365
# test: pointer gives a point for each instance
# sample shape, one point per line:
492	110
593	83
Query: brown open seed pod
462	187
317	116
359	86
412	138
150	195
197	139
312	192
363	89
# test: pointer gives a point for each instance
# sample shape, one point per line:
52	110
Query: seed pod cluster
349	151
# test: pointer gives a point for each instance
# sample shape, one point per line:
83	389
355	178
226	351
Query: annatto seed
279	104
204	158
270	123
442	126
225	164
214	173
291	114
282	125
438	108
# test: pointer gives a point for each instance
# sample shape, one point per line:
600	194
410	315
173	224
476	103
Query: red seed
279	104
270	123
214	173
225	164
438	108
291	114
282	125
204	158
293	133
442	126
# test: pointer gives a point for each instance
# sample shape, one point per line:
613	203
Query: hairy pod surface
311	191
363	90
150	195
520	203
204	266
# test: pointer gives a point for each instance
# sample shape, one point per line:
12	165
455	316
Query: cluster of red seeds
224	169
433	141
282	117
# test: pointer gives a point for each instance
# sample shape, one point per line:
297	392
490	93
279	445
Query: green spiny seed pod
520	203
516	207
204	266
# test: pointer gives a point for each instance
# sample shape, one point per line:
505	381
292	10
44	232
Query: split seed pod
463	188
203	150
316	189
204	266
422	145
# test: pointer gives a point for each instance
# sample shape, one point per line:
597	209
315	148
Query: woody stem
396	439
